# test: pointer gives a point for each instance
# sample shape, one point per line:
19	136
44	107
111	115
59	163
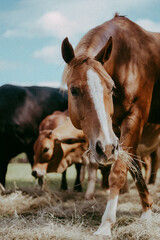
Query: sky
31	33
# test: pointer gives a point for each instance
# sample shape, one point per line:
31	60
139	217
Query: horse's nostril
45	149
113	148
99	148
34	174
117	145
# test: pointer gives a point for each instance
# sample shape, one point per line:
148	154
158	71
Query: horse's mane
118	15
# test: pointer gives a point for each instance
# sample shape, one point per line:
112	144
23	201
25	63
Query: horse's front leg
92	177
131	130
117	180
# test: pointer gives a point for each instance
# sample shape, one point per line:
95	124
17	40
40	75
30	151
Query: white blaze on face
96	93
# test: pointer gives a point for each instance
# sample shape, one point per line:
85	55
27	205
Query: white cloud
48	18
56	24
149	25
49	54
50	84
51	24
11	33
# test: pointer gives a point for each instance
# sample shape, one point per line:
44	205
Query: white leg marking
96	93
109	217
92	176
146	215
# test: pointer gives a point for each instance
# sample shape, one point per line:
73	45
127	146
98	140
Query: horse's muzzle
105	156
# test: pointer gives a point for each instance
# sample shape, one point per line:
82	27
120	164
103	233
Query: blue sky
31	32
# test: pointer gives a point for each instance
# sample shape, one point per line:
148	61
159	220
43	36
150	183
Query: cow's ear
50	134
105	52
73	140
67	51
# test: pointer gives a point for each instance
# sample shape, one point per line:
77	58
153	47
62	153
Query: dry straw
47	216
43	215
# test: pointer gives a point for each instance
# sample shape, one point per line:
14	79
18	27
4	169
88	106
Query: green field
19	176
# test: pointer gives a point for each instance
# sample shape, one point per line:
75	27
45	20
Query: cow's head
49	150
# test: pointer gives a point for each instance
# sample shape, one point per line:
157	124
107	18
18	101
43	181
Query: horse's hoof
88	197
104	230
146	215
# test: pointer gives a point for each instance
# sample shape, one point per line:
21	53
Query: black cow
21	111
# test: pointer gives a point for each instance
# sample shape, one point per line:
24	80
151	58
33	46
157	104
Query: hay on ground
67	216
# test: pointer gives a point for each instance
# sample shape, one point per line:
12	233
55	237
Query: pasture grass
35	214
19	176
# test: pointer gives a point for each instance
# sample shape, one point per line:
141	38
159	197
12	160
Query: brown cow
51	122
57	149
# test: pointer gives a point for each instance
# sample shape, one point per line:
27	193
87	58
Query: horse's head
90	99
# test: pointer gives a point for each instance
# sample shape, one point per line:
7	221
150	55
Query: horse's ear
105	52
67	51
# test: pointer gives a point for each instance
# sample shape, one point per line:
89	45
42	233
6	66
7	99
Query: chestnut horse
113	79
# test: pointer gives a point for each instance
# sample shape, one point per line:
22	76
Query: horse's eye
75	91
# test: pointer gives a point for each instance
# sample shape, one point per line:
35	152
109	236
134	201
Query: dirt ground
44	215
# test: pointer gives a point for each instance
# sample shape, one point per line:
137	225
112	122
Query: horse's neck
157	35
157	38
